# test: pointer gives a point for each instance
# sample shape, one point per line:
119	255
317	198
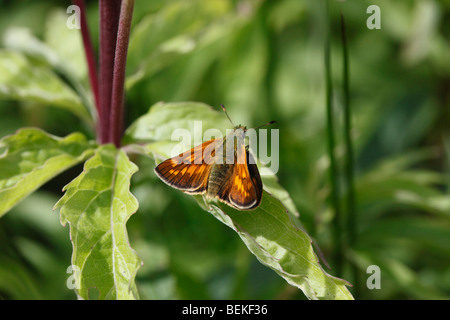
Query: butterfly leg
206	202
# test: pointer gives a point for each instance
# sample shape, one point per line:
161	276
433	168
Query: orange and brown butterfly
231	177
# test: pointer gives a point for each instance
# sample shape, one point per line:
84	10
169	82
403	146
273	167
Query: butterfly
232	177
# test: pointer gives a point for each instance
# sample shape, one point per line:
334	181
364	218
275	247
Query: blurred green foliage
264	61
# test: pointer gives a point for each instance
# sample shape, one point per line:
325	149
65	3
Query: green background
264	60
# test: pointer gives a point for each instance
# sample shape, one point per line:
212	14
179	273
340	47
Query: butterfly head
240	127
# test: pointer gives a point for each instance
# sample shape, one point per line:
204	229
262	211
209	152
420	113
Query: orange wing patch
188	171
244	190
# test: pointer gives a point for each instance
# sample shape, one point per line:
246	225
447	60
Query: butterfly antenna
224	110
266	124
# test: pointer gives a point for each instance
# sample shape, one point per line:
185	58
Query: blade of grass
337	231
349	168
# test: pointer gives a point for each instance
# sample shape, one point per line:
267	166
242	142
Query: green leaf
61	54
21	40
16	282
66	43
162	119
270	181
23	79
31	157
270	234
402	276
393	182
422	233
97	205
178	28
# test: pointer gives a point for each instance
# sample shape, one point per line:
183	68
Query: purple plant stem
89	53
118	83
109	18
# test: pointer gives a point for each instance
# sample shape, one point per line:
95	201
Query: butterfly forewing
190	170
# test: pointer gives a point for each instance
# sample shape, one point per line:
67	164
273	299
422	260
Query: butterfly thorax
222	170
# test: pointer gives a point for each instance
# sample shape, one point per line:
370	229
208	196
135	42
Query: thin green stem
337	230
272	55
351	198
351	218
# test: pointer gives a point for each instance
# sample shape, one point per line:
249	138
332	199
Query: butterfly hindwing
255	177
244	189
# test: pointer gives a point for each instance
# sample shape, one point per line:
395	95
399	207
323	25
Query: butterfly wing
244	189
190	170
